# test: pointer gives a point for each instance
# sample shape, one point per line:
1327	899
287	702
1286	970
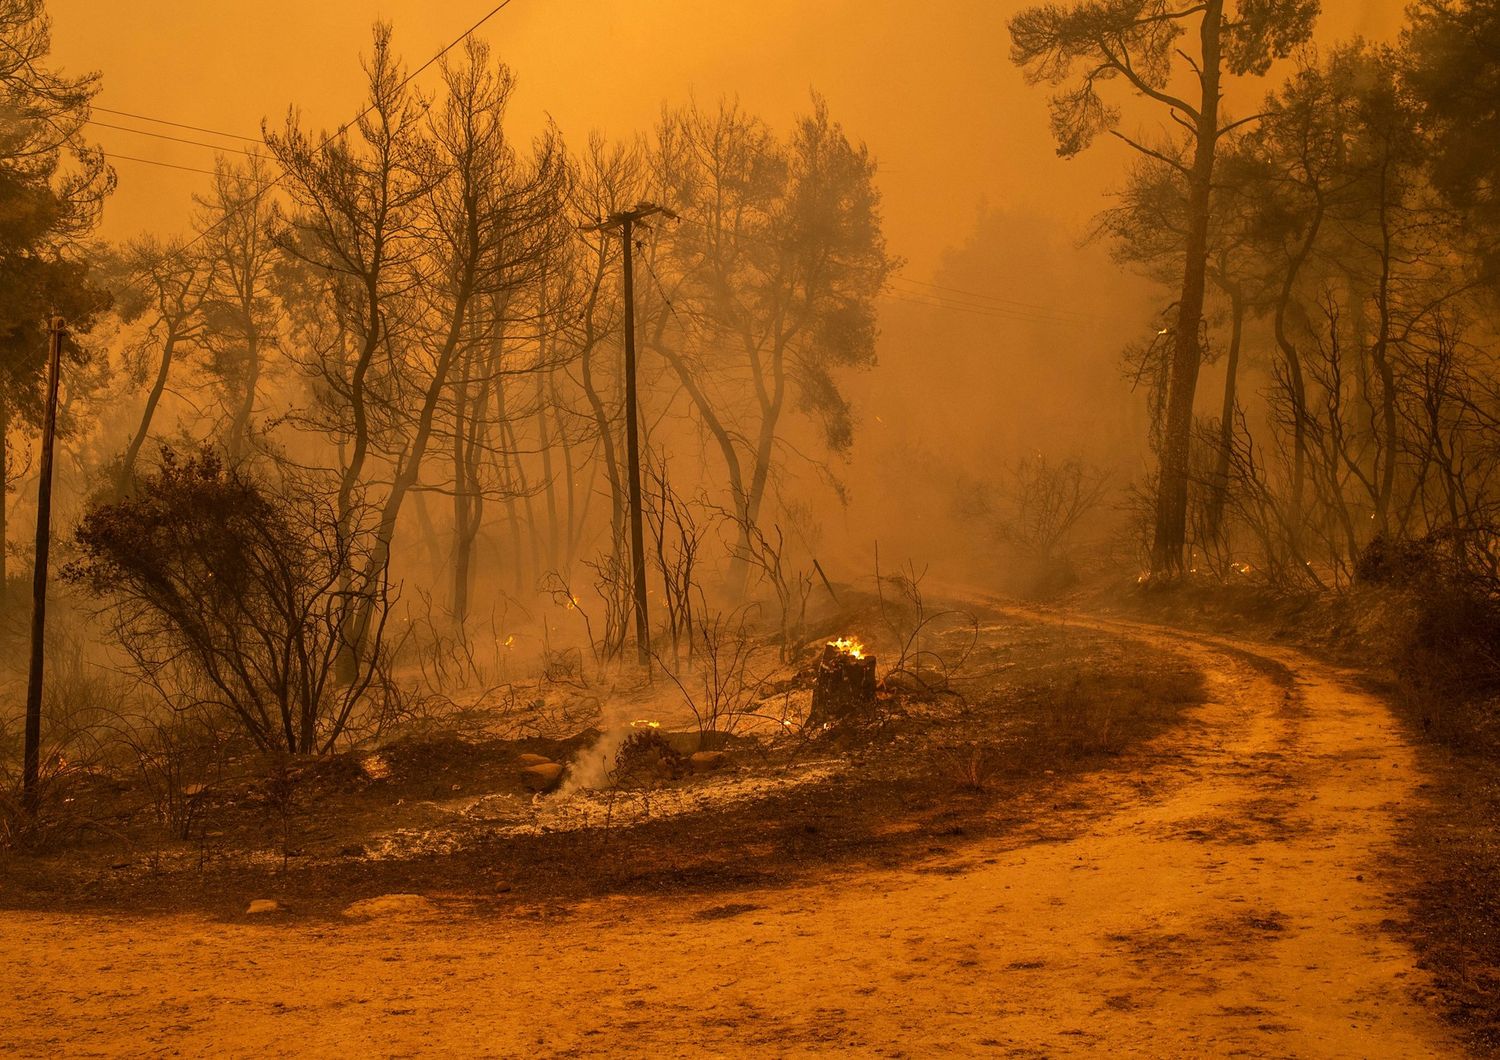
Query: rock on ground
543	777
708	761
391	905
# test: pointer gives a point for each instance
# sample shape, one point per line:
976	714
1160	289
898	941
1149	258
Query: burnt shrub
1447	643
233	593
1448	666
1400	562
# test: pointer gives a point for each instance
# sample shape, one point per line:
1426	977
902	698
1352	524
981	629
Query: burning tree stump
844	687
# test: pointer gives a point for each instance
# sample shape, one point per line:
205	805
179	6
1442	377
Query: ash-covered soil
444	809
1225	887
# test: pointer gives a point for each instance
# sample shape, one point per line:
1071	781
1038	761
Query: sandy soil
1225	897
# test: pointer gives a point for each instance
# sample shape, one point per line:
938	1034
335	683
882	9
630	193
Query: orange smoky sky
928	86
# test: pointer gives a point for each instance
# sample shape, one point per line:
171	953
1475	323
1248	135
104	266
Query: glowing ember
848	646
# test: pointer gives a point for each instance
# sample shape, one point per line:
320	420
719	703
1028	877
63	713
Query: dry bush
904	611
721	687
1036	510
678	528
439	648
232	590
971	766
182	761
1083	711
765	557
644	759
280	793
80	703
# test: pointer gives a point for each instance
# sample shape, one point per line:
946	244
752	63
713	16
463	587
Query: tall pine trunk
1170	536
143	430
1219	495
239	429
4	493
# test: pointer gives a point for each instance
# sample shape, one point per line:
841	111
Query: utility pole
31	758
625	221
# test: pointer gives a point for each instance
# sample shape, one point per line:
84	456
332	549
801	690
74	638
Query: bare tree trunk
725	442
470	516
143	431
523	487
1296	382
410	469
572	529
429	531
4	494
605	429
512	480
239	428
549	479
1380	354
468	417
1220	491
771	402
1187	356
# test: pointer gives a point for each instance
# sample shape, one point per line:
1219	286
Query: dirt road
1225	898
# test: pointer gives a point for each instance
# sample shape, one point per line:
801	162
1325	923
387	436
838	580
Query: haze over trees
1332	251
1138	43
457	506
391	352
378	381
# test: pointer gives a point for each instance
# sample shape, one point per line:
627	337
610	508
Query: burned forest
601	530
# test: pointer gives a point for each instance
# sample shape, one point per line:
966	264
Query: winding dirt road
1225	898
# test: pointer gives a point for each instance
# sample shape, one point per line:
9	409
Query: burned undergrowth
974	752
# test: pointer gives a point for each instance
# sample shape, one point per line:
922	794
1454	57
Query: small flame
848	646
643	723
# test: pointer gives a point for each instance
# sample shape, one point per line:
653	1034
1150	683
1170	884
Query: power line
345	127
115	156
174	124
174	139
453	44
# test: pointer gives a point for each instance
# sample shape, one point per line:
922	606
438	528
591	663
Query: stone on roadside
391	905
543	777
263	905
530	759
708	761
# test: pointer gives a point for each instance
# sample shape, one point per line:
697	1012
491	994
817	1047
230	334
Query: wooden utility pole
625	221
31	758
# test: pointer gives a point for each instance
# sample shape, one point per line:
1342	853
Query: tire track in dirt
1222	893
